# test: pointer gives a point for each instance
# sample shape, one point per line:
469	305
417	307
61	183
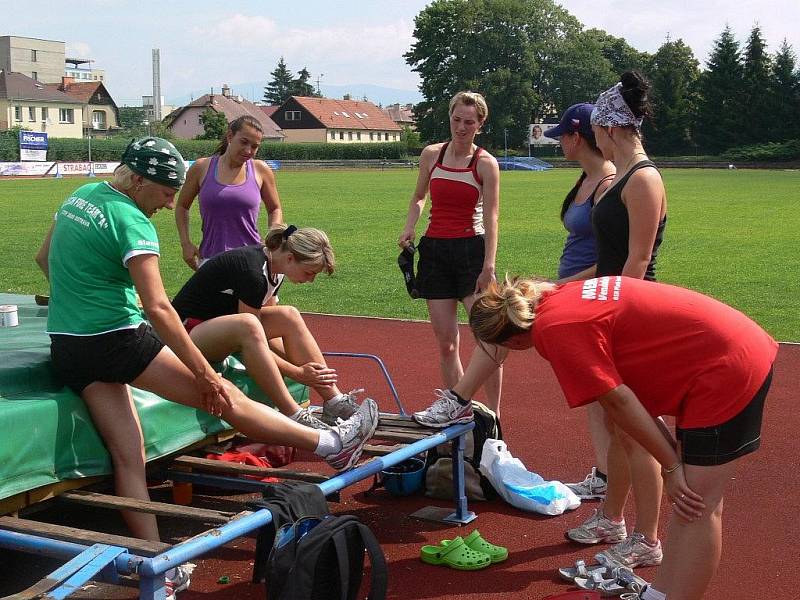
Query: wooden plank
82	536
226	468
398	436
46	492
155	508
380	450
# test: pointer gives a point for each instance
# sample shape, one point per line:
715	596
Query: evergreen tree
718	119
301	86
279	88
756	82
673	73
784	96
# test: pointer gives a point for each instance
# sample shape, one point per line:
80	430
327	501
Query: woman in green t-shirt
102	250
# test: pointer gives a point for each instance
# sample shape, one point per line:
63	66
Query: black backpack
439	476
322	558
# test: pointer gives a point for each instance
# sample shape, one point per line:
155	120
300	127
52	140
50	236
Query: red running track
760	524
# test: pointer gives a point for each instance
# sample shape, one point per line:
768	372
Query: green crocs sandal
456	555
474	541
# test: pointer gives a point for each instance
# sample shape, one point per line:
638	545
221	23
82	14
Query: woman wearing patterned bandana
102	250
231	186
628	224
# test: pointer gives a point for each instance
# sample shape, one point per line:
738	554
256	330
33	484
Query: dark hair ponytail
235	126
634	91
571	195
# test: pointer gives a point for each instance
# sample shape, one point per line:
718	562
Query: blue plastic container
405	478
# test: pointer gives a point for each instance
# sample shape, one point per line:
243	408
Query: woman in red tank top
457	252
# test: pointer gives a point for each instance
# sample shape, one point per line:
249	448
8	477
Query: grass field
730	234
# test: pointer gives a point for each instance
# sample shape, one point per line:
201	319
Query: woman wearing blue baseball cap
579	256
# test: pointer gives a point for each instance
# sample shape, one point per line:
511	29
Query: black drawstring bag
406	263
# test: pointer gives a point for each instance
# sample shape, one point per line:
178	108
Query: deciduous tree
673	72
214	125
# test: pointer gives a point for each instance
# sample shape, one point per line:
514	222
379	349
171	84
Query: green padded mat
47	433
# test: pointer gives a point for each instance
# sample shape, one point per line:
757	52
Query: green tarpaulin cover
46	433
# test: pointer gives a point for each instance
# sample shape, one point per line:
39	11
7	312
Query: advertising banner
82	168
32	146
41	169
536	134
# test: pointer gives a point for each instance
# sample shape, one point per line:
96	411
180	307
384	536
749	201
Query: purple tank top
229	213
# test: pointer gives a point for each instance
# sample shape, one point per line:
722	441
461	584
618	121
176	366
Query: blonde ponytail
506	309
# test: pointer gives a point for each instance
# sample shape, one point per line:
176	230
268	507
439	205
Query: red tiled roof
269	110
82	91
399	113
347	114
234	107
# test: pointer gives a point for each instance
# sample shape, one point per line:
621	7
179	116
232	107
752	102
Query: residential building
32	105
185	121
149	110
76	68
402	114
325	120
100	112
41	60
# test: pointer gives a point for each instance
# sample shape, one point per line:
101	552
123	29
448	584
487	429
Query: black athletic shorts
449	267
114	357
720	444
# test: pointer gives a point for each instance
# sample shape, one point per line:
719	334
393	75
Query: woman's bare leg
117	422
493	386
601	438
619	477
647	486
168	377
219	337
692	550
444	319
299	346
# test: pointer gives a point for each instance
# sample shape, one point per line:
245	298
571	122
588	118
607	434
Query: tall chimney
156	85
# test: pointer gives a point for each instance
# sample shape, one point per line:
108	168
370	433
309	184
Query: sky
352	47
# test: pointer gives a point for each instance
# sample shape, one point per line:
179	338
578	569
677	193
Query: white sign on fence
41	169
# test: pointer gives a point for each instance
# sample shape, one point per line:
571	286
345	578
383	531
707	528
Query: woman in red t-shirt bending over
644	349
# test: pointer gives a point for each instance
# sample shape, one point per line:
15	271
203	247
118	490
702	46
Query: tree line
531	59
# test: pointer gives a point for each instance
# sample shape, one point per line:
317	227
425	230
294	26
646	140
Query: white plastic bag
521	488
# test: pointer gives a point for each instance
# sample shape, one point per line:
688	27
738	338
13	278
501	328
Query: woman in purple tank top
231	186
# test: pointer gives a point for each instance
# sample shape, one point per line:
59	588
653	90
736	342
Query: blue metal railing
151	570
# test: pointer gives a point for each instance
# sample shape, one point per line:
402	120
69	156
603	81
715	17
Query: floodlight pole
89	137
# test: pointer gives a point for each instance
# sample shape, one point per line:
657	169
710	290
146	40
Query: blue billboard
32	145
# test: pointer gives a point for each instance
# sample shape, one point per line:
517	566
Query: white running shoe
591	488
342	406
354	433
445	411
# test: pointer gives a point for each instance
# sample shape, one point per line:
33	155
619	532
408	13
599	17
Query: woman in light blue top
575	134
579	256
